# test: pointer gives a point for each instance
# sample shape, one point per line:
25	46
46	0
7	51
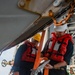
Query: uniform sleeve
18	57
69	53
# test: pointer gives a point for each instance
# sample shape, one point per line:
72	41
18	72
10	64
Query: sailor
59	50
25	56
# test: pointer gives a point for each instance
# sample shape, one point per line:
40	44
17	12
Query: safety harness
30	52
57	47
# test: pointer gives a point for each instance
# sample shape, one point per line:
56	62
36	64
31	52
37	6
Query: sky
7	55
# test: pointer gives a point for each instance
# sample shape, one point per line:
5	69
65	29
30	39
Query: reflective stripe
50	44
56	47
33	51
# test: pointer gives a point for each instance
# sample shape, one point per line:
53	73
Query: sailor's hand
49	66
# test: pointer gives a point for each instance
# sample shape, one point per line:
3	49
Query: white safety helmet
60	28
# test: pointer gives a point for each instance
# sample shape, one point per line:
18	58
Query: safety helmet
37	37
60	28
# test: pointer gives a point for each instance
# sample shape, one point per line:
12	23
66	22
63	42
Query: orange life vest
57	47
30	52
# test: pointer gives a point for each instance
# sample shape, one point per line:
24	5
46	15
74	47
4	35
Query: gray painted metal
16	25
38	6
13	21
